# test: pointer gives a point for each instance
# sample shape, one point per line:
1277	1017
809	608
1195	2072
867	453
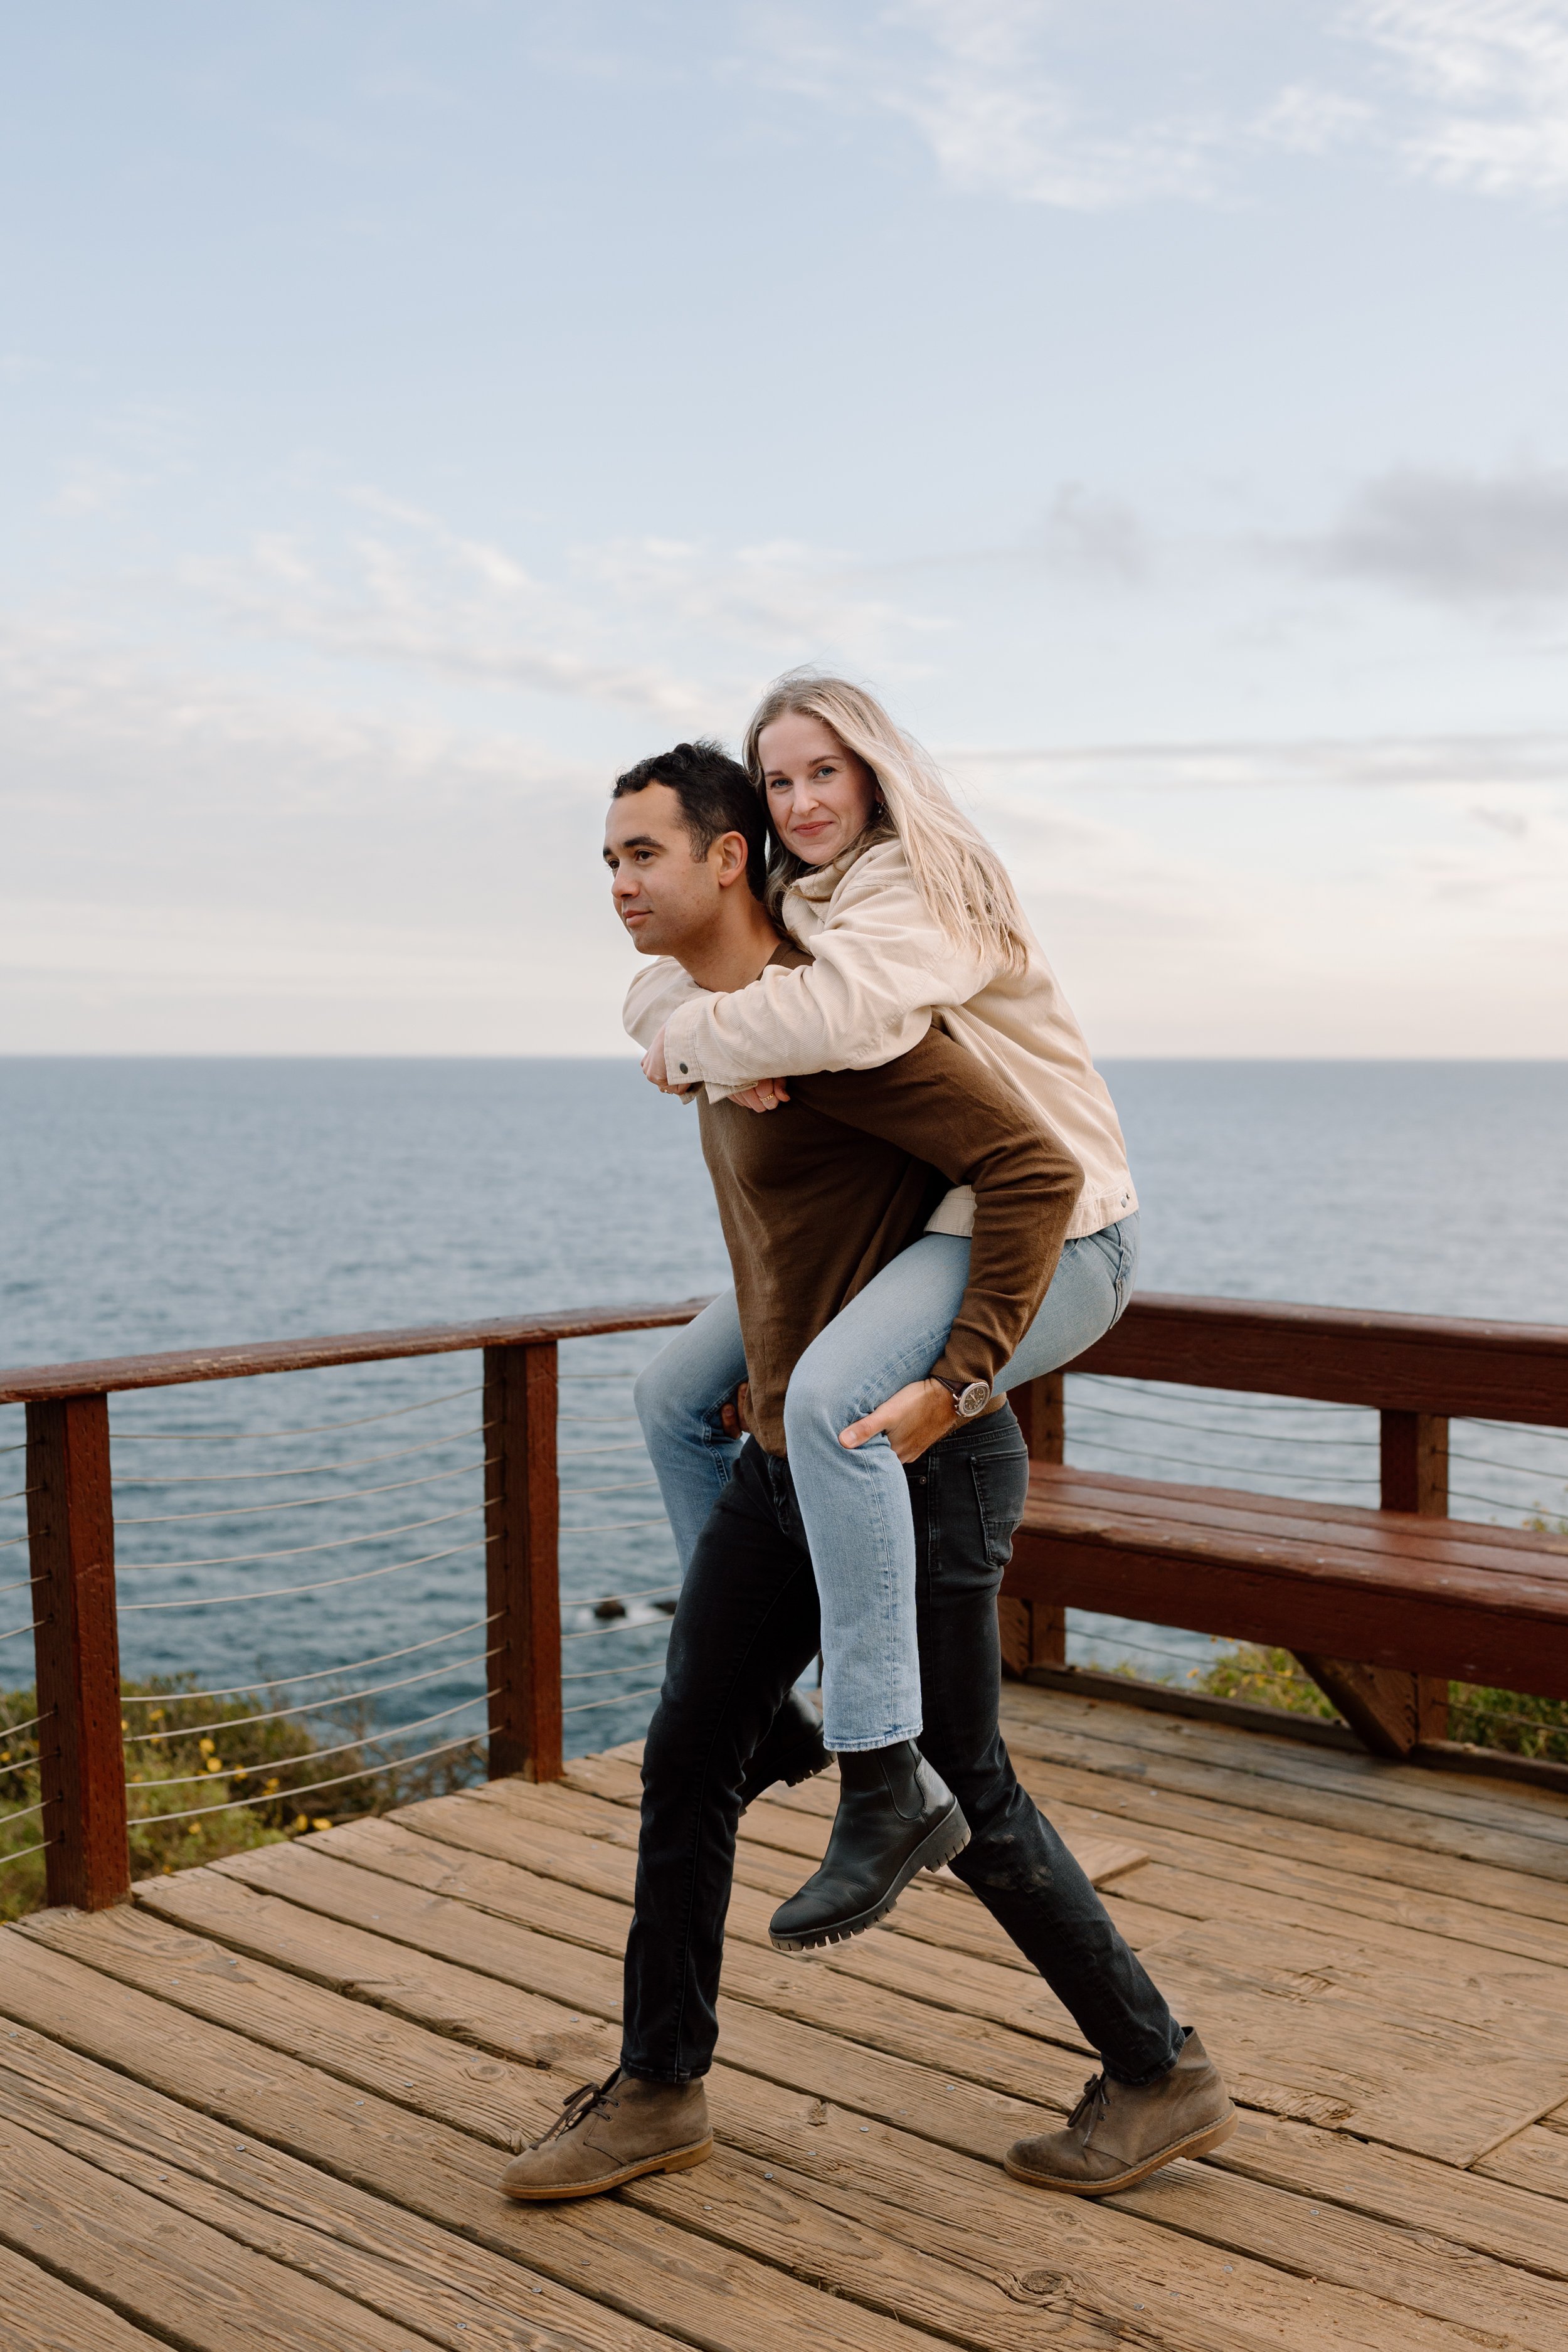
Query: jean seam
678	2021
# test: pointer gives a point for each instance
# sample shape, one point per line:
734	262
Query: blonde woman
908	917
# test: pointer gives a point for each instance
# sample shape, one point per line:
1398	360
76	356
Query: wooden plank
1186	1879
1384	1534
673	2279
583	1990
1420	1363
1506	1805
379	2254
186	2280
178	1367
70	1534
1534	2159
1411	2190
1384	1828
1519	1816
38	2312
1480	2208
1508	1630
993	2056
1525	1904
803	2166
1452	2091
523	1567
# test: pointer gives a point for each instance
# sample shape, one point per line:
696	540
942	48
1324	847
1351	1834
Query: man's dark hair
716	796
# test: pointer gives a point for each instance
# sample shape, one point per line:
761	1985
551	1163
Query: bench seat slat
1388	1534
1387	1588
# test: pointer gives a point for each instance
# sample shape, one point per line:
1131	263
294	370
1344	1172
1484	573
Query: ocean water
326	1523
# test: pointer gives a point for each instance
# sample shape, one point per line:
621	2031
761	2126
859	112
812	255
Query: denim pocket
1001	1489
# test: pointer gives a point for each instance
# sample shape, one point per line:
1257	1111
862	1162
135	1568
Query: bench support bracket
1391	1712
1034	1632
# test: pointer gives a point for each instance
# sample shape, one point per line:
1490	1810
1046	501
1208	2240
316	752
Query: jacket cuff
968	1358
680	1055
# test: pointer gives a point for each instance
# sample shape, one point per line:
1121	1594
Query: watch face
974	1399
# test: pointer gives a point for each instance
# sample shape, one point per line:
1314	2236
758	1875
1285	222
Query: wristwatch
968	1397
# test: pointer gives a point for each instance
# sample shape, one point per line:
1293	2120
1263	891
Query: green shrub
174	1765
1509	1720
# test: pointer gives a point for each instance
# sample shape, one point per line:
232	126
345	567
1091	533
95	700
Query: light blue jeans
855	1505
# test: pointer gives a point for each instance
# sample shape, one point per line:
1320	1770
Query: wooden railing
1415	1370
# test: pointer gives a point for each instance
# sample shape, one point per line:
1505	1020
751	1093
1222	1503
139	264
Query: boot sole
950	1836
1195	2143
674	2160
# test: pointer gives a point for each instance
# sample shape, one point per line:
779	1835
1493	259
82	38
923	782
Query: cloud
1092	534
1090	105
1457	537
1486	88
616	625
1470	762
96	720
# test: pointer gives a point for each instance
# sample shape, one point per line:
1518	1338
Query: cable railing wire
324	1584
1225	1397
615	1526
17	1631
303	1502
20	1853
1213	1429
297	1552
276	1764
615	1698
317	1674
14	1730
309	1706
317	1429
311	1469
621	1487
339	1780
1199	1462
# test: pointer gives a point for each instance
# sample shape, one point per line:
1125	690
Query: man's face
666	898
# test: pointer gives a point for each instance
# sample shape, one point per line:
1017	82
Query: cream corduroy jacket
881	972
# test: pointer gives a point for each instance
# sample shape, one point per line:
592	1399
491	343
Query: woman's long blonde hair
963	883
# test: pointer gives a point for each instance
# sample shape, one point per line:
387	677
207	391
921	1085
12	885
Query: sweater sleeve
942	1104
879	967
657	989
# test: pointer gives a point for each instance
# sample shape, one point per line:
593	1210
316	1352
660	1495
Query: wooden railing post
1034	1634
70	1529
522	1575
1389	1710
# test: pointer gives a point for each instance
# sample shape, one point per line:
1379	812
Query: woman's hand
912	1419
766	1095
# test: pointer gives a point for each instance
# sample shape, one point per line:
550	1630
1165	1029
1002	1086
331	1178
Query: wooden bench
1381	1606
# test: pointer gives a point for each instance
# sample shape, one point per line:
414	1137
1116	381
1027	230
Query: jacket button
683	1069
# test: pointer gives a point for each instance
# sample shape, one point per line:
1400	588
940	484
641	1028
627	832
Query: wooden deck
266	2107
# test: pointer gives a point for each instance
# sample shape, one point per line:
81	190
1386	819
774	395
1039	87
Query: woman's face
820	797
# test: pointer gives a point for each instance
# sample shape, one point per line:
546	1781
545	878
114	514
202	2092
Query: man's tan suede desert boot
1118	2134
604	2136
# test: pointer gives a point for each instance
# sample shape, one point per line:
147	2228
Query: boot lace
592	2099
1091	2107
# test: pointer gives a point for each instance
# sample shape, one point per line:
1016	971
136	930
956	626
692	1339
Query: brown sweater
817	1197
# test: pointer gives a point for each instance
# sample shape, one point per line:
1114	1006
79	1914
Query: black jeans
746	1629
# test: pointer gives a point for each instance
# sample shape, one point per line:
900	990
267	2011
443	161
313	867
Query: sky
413	411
